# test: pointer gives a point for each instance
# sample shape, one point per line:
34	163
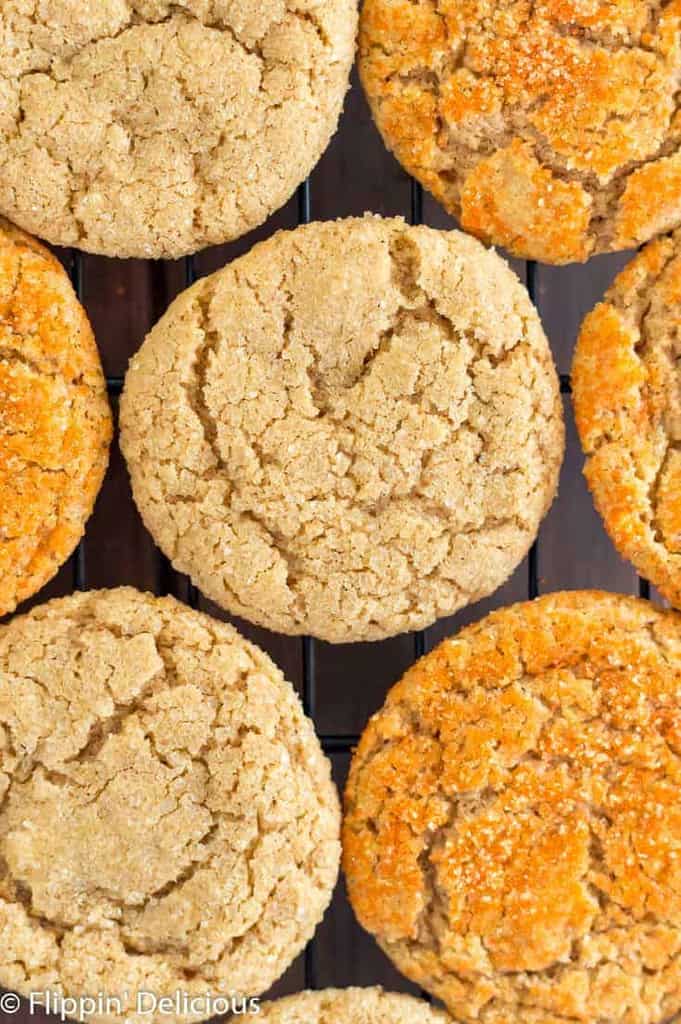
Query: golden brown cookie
512	834
349	432
55	423
153	128
551	128
627	398
350	1006
167	818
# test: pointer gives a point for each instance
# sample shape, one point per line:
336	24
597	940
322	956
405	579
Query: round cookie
626	381
153	129
551	128
167	819
55	423
348	432
350	1006
512	827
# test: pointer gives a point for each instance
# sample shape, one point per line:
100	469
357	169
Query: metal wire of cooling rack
331	743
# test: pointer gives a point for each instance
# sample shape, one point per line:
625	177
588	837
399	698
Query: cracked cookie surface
349	432
167	818
512	833
627	399
549	127
153	129
350	1006
55	423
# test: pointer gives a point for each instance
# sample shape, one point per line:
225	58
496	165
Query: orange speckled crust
55	423
627	400
512	831
549	127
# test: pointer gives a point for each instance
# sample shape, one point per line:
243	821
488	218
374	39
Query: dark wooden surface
341	685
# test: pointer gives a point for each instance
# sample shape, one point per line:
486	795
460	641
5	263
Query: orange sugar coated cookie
627	399
55	423
512	831
550	127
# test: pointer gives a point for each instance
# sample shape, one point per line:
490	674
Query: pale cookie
551	128
512	833
55	423
168	822
350	1006
152	129
349	432
627	398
